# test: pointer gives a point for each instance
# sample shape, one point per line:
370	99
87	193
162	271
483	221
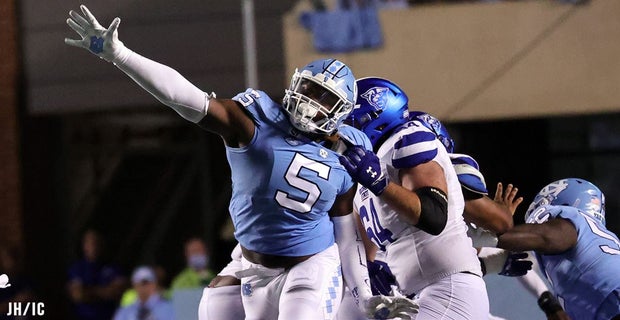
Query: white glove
95	38
384	307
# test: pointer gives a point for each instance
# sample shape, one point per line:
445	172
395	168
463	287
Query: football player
488	217
292	199
411	206
565	227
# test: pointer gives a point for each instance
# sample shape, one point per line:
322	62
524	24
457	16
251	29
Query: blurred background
531	89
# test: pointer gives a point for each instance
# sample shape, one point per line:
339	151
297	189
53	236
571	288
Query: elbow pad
434	210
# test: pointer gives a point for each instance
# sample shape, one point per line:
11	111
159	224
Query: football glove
388	307
504	262
365	167
95	38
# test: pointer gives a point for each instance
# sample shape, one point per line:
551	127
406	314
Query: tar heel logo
21	308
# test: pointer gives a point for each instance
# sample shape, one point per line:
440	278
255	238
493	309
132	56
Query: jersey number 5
294	179
604	234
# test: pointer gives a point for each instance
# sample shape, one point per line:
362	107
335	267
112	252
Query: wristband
549	304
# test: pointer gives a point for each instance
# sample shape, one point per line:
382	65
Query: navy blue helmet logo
376	97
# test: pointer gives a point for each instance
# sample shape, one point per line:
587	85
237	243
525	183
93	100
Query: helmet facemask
316	104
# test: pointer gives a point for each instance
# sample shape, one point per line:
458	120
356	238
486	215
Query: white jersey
416	257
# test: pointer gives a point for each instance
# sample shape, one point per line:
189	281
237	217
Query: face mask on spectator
198	261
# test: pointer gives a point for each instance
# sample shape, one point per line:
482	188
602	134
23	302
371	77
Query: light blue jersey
284	184
586	278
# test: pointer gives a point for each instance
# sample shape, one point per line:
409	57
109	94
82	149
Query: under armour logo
372	173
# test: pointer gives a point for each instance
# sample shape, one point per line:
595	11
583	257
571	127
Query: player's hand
552	308
365	167
516	265
381	279
384	307
507	197
100	41
505	263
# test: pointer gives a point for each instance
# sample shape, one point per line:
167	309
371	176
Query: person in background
150	305
95	286
197	274
131	295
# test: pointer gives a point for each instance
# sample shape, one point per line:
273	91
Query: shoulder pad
458	158
468	173
470	178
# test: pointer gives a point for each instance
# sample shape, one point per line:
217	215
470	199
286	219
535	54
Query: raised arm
221	116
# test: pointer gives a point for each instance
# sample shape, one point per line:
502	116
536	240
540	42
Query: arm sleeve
353	257
166	85
533	283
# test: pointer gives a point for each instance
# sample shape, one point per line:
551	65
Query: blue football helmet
321	96
436	127
381	107
573	192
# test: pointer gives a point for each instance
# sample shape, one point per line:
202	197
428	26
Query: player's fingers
517	202
359	151
76	27
73	42
507	192
114	25
510	193
79	19
513	194
498	192
90	17
353	155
